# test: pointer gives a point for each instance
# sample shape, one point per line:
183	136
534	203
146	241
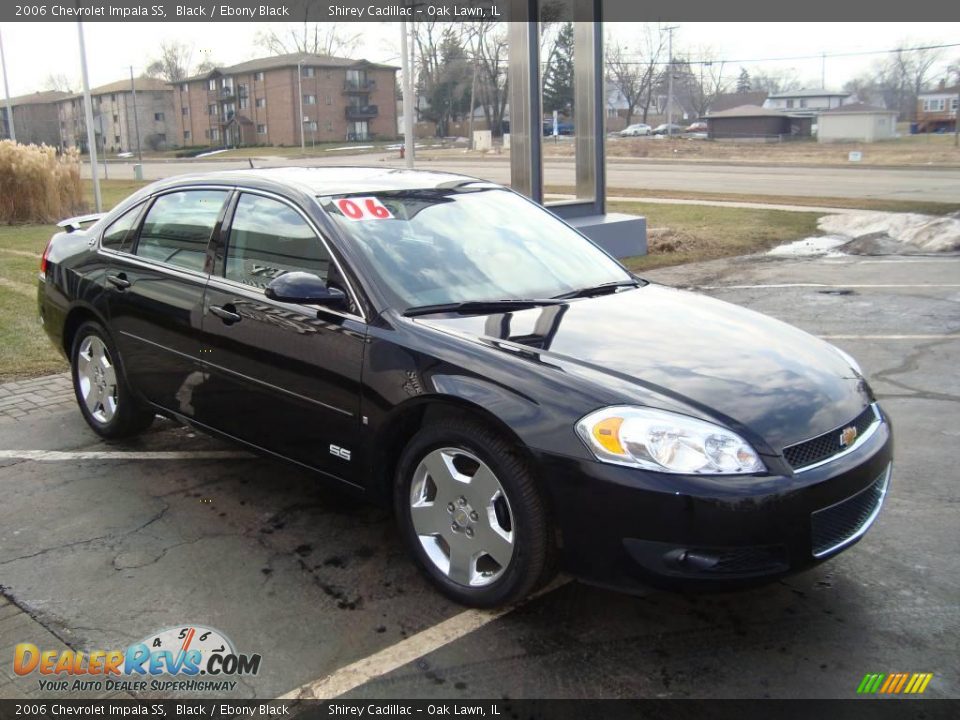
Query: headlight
854	365
666	442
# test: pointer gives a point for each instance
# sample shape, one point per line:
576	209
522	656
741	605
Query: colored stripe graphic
894	683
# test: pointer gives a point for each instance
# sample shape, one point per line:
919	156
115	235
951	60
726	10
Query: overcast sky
36	50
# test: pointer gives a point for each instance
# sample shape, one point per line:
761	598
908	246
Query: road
917	184
102	545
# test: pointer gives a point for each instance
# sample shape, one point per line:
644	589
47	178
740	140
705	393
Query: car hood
756	374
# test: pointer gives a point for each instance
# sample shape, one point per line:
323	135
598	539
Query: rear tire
105	400
471	514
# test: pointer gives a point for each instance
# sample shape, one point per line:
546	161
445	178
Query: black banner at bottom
874	709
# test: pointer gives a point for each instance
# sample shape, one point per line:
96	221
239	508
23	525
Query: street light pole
407	70
6	88
670	79
136	120
303	144
88	114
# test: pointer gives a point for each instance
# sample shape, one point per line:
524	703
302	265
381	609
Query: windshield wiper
606	288
481	307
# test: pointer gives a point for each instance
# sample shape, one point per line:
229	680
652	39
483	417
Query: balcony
363	85
360	112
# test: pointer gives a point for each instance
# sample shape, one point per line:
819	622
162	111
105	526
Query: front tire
472	515
105	400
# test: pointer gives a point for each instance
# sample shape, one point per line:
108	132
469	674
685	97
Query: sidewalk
35	397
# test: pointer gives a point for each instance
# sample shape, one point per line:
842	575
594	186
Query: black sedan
443	344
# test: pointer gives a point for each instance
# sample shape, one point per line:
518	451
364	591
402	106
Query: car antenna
250	160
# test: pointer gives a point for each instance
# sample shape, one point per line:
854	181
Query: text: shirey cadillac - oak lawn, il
524	402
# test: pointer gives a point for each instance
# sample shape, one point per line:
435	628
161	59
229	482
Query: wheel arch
405	421
77	316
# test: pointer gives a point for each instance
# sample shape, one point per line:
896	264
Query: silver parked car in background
635	130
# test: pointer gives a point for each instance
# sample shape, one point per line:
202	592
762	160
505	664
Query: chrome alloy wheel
97	379
462	517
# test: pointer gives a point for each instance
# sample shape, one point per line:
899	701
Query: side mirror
304	289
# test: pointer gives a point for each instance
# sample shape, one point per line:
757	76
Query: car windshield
472	243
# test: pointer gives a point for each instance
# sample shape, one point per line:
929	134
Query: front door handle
227	313
119	281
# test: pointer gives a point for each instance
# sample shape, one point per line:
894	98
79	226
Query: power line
818	56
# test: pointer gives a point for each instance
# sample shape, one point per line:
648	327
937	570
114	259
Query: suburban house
807	101
259	102
35	119
936	109
856	122
115	127
752	122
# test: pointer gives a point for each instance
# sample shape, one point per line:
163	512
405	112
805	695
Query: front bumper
623	527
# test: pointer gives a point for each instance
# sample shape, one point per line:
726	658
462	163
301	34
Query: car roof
327	180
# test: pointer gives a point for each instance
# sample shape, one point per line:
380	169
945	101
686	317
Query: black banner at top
471	10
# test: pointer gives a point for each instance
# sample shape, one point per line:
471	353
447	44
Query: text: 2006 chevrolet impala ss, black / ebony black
524	401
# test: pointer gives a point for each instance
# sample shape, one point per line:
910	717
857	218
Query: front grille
825	446
840	524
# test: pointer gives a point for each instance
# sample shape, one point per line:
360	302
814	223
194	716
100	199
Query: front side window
473	243
118	235
269	238
178	227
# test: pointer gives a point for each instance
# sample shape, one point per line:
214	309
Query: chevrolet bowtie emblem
847	436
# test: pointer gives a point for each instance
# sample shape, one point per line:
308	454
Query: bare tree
774	81
488	50
60	82
914	67
700	82
326	38
635	74
173	63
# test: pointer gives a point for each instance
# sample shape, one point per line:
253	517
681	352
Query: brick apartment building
35	118
113	117
258	102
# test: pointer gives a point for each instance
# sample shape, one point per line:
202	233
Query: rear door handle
227	313
119	281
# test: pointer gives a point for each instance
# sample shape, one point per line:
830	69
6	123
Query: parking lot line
61	455
945	336
776	286
406	651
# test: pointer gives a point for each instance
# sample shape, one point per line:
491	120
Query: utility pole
136	120
408	139
823	70
303	144
670	79
88	114
6	89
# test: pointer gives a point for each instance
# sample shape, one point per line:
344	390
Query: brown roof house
858	122
35	118
282	99
752	122
114	125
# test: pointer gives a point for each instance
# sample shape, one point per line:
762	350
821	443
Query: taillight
43	258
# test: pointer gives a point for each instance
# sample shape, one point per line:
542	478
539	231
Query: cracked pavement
96	554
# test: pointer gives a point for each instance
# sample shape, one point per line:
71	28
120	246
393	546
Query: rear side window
178	227
119	235
269	238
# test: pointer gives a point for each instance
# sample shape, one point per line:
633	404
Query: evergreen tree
743	82
558	77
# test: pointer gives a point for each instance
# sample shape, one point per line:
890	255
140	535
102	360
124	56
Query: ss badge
339	452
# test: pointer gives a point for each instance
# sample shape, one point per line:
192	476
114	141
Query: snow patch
811	247
886	232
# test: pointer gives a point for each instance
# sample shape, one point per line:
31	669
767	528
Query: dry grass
37	185
24	348
915	150
678	234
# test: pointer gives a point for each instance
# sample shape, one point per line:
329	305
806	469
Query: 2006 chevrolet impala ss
523	400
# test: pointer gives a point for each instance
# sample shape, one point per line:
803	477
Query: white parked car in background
635	130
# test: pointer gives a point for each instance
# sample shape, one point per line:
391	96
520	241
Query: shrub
37	185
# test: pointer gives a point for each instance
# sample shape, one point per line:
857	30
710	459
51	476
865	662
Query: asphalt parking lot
102	544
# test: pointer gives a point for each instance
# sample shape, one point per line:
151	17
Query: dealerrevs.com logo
181	659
